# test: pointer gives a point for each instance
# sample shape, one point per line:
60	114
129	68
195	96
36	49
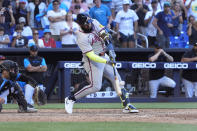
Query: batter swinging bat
117	82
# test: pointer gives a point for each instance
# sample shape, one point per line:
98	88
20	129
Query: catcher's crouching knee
2	101
1	107
40	97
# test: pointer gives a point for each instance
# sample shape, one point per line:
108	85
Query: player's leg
195	88
153	88
168	82
95	72
2	101
29	91
188	88
20	98
3	98
109	74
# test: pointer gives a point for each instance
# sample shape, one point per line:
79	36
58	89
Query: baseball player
9	85
93	40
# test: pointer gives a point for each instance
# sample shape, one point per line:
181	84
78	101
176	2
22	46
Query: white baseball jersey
91	41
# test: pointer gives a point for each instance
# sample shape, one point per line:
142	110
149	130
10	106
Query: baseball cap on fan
125	2
22	1
22	20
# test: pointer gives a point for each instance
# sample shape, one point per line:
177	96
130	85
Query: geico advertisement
79	65
152	65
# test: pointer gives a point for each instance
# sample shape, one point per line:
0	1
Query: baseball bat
117	82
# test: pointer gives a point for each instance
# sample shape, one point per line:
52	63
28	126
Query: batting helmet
83	19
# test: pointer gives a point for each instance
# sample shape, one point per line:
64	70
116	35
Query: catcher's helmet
11	67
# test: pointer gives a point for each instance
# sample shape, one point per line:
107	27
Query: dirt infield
187	116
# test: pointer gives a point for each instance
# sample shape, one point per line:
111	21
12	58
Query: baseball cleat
130	109
28	110
69	105
31	108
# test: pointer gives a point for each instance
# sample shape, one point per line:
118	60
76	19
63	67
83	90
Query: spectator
101	13
48	41
57	19
19	41
151	30
191	6
36	8
68	32
126	24
83	6
67	3
182	8
141	10
116	6
148	3
157	77
36	41
107	3
4	39
26	29
12	3
164	24
177	19
189	76
192	30
7	19
35	67
62	6
21	11
77	10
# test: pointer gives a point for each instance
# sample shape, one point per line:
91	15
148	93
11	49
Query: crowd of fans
47	22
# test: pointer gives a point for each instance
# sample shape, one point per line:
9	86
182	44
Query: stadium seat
29	37
40	32
10	36
58	44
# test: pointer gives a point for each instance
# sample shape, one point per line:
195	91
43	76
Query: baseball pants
164	81
190	88
96	71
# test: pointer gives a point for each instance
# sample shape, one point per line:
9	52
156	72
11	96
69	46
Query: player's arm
168	57
43	66
155	56
187	57
29	67
92	56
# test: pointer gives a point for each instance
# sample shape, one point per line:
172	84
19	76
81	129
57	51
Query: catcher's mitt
40	97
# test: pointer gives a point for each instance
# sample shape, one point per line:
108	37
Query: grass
94	126
190	105
100	126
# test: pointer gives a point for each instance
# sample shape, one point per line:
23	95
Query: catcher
9	85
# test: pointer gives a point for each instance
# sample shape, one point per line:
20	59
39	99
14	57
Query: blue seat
175	42
29	37
10	37
58	44
40	32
